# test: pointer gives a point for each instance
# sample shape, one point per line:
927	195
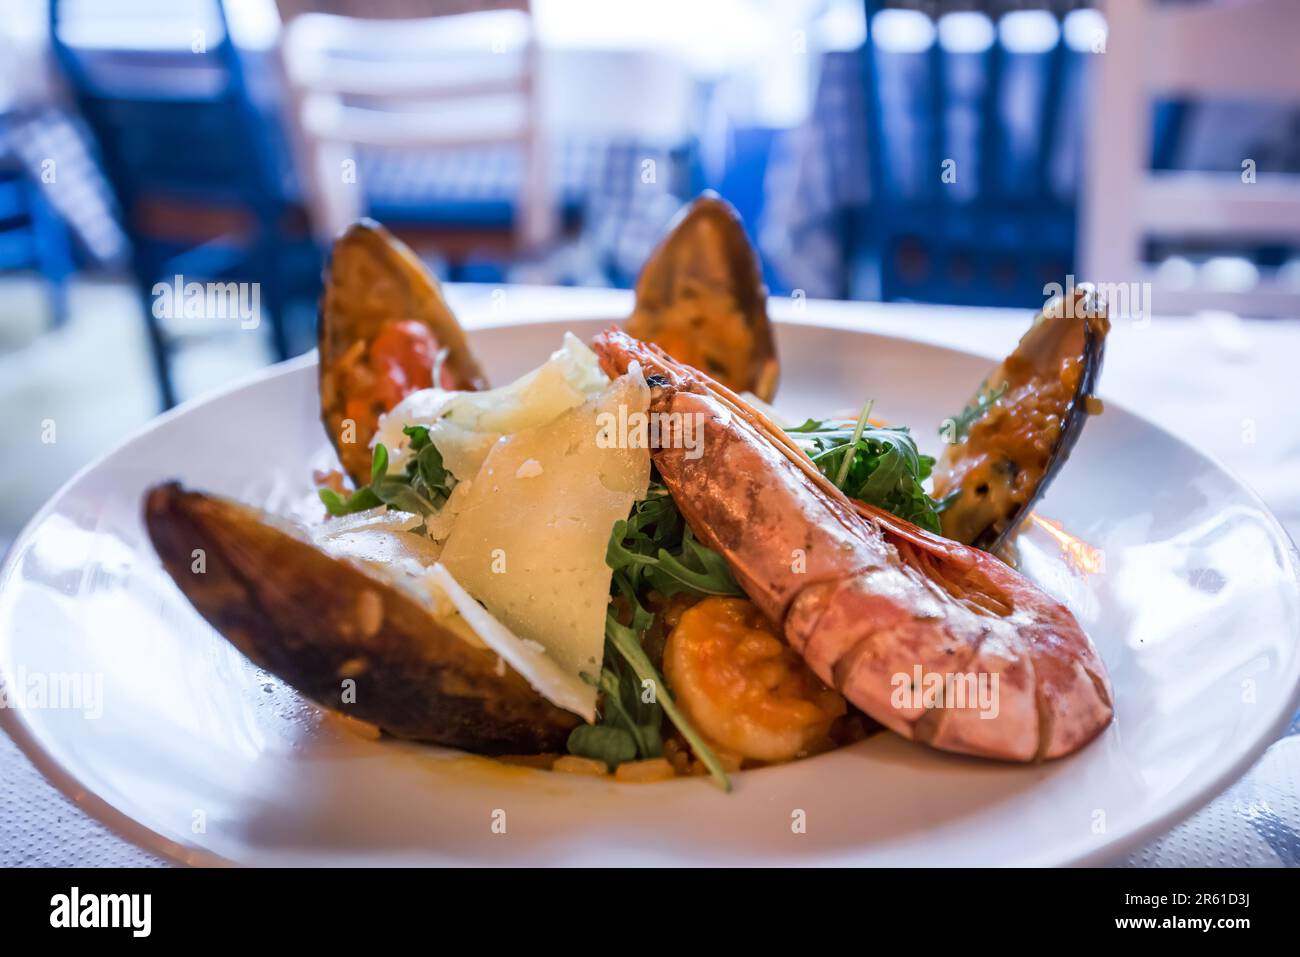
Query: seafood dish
627	562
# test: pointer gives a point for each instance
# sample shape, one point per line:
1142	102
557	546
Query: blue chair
32	237
962	132
200	175
431	125
464	203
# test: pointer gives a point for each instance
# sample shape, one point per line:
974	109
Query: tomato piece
397	362
402	357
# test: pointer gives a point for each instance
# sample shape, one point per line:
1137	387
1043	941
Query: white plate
199	756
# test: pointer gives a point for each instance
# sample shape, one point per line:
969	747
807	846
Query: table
1228	386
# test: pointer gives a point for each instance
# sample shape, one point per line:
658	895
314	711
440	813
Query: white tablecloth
1229	387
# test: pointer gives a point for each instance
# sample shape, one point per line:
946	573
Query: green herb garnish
877	465
421	489
653	550
956	428
630	725
603	742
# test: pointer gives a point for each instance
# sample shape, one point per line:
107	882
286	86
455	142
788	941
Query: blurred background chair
53	219
497	151
944	154
935	162
969	116
32	236
1199	222
444	143
201	177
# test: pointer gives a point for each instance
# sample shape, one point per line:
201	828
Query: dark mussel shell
373	279
701	298
1008	445
315	621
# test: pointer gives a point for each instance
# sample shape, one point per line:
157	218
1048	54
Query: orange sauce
1002	458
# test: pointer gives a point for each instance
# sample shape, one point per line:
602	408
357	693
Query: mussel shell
373	279
1058	332
315	621
702	276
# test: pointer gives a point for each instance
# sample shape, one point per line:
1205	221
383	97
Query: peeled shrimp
743	687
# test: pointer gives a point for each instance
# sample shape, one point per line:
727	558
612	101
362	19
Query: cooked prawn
743	687
868	599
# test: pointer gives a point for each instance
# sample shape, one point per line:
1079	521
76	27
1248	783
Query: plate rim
145	838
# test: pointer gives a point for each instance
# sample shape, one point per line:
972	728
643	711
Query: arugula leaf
878	465
652	550
429	467
418	434
422	488
710	576
603	742
693	569
656	550
627	642
363	499
625	709
397	494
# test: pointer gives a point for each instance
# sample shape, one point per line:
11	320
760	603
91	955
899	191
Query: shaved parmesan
381	543
439	525
522	566
568	378
531	546
379	539
465	425
526	657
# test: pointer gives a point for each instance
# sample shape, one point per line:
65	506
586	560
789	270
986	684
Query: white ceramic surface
201	757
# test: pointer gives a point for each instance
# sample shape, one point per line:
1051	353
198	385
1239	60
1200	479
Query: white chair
1234	48
445	82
